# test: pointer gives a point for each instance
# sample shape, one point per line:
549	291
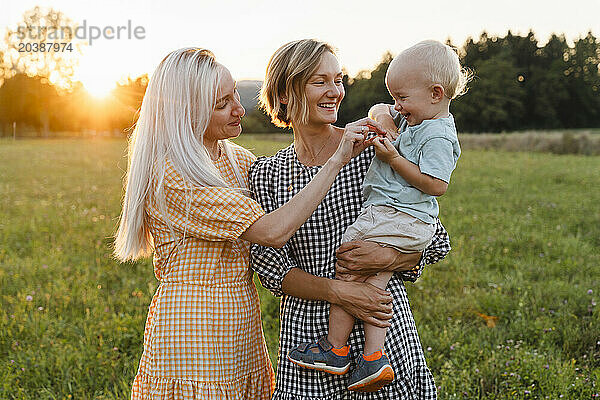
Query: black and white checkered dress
312	248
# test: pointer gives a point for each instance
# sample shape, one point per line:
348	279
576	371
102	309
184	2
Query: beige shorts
390	227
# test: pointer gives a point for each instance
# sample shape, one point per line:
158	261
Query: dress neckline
297	161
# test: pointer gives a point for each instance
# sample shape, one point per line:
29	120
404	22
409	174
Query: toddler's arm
381	113
385	151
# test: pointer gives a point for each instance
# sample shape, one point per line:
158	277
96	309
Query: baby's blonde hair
440	65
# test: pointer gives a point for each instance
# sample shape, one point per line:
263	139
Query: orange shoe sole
374	382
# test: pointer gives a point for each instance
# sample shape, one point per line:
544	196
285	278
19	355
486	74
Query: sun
98	77
98	88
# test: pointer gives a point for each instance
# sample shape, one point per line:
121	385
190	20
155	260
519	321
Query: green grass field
510	314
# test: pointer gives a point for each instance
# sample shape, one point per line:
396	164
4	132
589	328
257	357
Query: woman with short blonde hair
304	93
283	95
186	202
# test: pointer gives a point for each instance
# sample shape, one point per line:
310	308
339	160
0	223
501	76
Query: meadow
511	313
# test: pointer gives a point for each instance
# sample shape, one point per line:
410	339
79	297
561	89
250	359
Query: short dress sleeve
436	251
209	213
271	264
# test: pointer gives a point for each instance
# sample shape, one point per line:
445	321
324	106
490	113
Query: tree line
37	108
519	84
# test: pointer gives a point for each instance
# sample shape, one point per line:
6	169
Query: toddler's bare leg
375	336
340	323
340	326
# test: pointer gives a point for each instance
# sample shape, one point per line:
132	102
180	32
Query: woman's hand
369	258
354	139
364	301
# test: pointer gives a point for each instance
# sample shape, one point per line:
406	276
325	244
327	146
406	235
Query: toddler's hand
391	134
384	149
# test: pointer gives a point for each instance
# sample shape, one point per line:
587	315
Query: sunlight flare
98	88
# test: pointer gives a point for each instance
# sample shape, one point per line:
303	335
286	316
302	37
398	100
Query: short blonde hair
289	69
440	65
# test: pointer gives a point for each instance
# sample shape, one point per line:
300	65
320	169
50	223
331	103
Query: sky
244	34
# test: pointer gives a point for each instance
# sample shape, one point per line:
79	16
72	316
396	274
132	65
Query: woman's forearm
369	258
363	300
405	261
301	284
276	228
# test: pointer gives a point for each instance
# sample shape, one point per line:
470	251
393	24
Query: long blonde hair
174	115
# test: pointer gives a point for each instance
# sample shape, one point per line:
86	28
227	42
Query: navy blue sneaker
372	373
327	359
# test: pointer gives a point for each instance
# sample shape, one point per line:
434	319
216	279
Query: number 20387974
45	47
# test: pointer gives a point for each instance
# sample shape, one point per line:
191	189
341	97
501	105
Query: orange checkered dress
203	337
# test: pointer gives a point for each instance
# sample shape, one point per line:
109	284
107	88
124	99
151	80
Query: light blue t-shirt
433	146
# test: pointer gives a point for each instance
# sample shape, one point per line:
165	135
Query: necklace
291	187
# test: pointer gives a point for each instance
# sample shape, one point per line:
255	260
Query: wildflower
45	266
477	370
546	366
451	347
29	298
429	349
12	361
40	308
527	392
590	291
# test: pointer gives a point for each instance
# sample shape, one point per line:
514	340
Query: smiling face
225	122
324	91
414	96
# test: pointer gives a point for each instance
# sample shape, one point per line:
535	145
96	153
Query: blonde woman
186	201
303	90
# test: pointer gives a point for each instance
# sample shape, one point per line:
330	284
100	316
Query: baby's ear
437	93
